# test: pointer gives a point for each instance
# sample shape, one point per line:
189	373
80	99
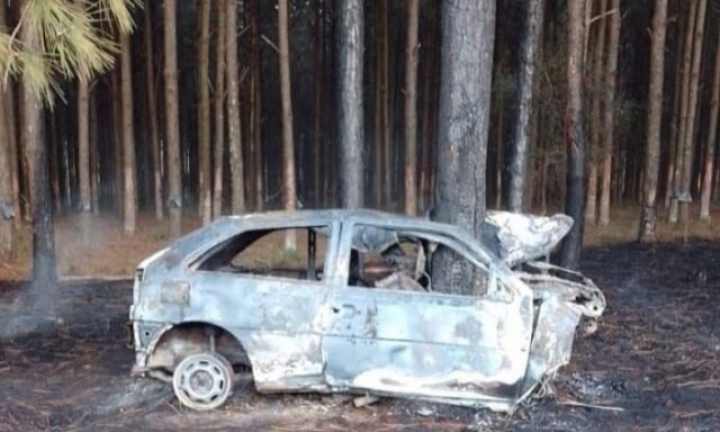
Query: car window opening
262	253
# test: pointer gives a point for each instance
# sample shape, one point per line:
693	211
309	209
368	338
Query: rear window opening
263	253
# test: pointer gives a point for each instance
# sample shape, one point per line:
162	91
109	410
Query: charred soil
653	364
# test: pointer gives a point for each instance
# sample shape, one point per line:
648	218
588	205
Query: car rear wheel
203	381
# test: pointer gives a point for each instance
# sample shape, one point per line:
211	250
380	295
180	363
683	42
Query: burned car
347	301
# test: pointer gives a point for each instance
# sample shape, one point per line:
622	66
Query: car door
277	318
429	344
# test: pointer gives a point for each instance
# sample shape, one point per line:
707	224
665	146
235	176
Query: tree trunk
153	114
575	136
256	108
83	151
93	156
609	117
595	100
708	169
411	66
689	140
468	32
684	107
129	209
205	207
677	102
233	111
654	120
319	64
531	41
289	194
172	121
386	106
33	136
219	102
350	39
8	211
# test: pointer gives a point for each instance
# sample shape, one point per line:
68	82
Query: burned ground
653	365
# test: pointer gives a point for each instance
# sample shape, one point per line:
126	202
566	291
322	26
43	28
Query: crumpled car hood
517	238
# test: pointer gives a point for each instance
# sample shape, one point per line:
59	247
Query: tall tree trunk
204	182
378	153
677	102
33	136
411	66
233	111
575	136
7	100
83	151
684	108
256	107
172	120
130	206
219	102
93	156
153	114
289	194
351	118
609	117
708	169
654	120
7	206
386	106
468	33
596	107
689	140
319	64
531	41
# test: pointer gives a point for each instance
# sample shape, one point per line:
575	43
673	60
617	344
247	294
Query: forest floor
653	365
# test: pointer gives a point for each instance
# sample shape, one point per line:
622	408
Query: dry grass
104	249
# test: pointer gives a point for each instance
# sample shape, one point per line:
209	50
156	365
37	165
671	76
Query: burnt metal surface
399	337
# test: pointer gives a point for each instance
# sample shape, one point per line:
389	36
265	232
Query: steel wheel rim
203	381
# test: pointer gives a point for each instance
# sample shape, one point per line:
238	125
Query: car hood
518	237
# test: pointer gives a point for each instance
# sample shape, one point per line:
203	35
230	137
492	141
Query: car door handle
346	309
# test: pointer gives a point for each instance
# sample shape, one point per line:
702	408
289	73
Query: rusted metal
397	336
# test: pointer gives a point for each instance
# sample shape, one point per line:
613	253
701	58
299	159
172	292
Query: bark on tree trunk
684	108
219	103
411	66
289	193
172	121
129	209
33	136
153	114
204	183
531	42
319	65
237	173
708	169
575	136
689	140
256	108
595	100
351	114
654	120
83	151
94	159
7	206
468	30
609	117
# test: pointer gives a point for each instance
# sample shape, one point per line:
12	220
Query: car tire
203	381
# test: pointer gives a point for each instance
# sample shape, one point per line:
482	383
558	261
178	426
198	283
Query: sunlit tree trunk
219	104
468	33
7	206
289	185
351	118
575	135
684	108
130	207
710	144
608	117
204	183
531	41
153	114
689	140
411	66
172	121
654	120
233	110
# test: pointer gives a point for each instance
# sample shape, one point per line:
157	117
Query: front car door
407	338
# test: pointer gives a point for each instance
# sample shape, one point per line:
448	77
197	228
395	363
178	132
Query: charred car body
353	308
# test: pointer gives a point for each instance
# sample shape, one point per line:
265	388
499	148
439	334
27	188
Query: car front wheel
203	381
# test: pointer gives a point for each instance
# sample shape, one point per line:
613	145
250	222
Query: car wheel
203	381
